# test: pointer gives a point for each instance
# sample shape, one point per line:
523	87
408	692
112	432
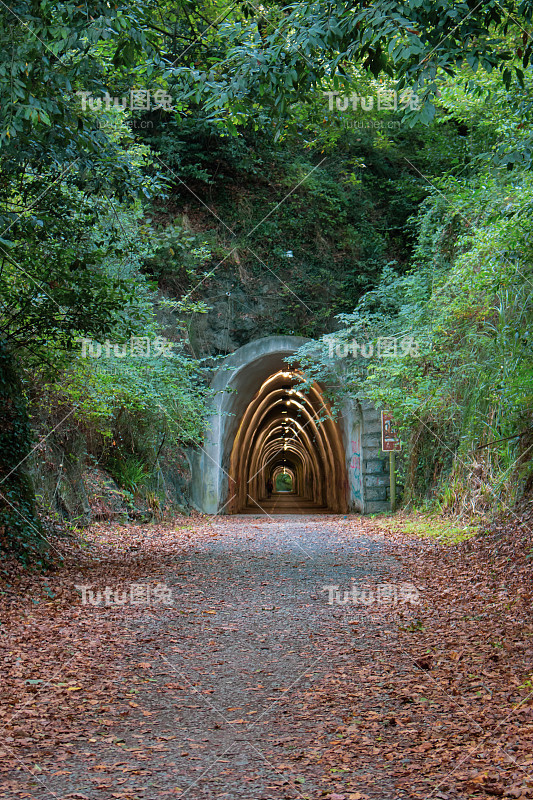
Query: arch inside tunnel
285	428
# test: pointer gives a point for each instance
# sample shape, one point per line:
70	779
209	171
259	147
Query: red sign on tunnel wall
389	437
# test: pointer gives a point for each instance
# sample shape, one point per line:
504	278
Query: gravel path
223	687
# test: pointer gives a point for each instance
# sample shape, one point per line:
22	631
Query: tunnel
263	426
285	430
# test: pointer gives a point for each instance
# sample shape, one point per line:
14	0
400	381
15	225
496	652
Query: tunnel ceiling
286	428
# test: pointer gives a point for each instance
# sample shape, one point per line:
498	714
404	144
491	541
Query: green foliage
279	56
73	238
20	528
283	482
135	398
67	276
465	307
130	474
176	262
116	222
340	215
48	53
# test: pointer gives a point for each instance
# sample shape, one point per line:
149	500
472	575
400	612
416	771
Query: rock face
106	500
238	315
72	490
242	306
57	468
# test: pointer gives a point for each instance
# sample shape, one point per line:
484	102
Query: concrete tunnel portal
262	425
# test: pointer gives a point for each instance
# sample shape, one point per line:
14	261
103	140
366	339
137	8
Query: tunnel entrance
262	427
287	455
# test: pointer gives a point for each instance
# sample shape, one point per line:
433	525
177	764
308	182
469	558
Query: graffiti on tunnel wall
354	468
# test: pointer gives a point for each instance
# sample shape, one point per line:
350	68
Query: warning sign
389	436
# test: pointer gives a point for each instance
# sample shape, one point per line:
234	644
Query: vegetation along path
257	658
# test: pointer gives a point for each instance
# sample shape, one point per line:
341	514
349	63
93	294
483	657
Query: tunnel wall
367	467
235	385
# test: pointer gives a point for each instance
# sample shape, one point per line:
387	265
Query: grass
429	526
